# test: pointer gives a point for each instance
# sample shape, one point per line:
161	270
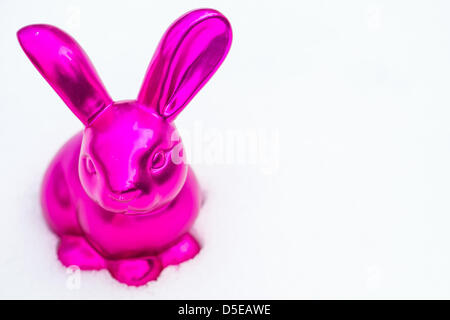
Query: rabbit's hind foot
76	251
184	249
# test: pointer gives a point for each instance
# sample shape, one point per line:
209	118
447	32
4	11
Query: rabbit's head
131	157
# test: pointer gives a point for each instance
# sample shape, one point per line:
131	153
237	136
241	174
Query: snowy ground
343	194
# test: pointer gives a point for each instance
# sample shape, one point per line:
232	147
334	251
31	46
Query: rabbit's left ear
67	69
189	53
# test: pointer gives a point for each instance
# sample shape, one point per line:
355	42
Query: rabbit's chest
119	235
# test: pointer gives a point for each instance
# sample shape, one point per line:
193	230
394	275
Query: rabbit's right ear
189	53
67	69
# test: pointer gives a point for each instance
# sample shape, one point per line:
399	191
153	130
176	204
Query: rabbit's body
71	212
119	194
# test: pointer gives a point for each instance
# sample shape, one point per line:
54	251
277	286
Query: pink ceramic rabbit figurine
119	194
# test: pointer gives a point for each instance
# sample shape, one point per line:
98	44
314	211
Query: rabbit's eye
89	166
158	160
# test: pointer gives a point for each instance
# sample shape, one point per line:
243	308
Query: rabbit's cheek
170	181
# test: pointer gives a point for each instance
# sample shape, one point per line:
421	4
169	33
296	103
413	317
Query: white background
358	92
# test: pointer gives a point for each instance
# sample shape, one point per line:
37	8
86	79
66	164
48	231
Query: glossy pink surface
119	194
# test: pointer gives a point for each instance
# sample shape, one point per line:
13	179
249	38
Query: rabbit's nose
126	195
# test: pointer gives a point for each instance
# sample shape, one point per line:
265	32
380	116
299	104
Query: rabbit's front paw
76	251
135	272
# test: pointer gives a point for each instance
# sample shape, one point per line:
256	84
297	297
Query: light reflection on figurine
112	193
